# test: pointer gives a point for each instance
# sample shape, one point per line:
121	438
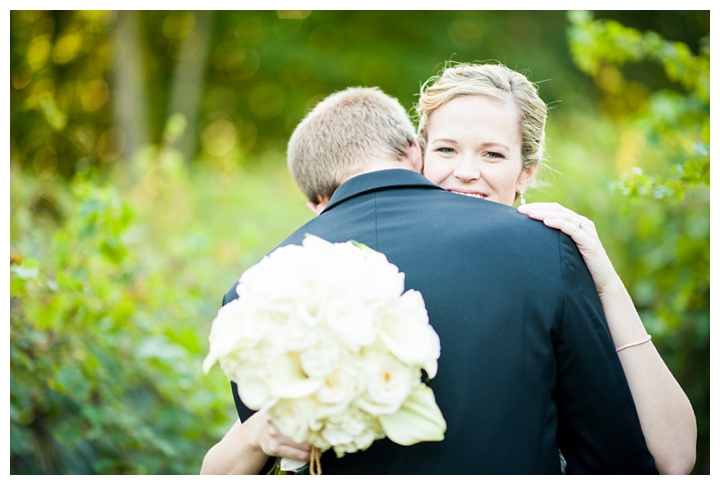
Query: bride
481	128
482	131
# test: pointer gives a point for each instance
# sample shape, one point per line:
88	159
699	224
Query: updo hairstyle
497	82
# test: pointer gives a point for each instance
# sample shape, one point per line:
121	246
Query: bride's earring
522	197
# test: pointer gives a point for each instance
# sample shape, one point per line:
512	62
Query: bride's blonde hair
497	82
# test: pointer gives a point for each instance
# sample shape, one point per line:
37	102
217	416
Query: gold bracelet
639	342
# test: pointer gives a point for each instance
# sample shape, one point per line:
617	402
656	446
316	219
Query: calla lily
419	419
289	381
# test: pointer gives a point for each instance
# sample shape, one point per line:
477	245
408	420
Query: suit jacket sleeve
598	427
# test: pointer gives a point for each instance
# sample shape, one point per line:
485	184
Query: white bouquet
325	340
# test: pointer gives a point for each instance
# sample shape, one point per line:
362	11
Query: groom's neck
381	165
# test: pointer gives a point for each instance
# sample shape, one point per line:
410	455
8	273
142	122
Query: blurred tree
128	85
194	110
90	385
666	133
89	89
189	77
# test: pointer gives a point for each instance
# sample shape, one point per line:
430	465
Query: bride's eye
445	150
495	155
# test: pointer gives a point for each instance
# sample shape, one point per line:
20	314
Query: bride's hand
583	232
274	443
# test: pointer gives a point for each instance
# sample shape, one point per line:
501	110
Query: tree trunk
188	81
129	99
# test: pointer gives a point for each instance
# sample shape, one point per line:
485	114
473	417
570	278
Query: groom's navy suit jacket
527	364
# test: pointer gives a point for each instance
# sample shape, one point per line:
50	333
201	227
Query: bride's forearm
623	320
666	416
235	454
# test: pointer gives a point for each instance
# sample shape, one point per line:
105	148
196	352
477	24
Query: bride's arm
666	416
248	445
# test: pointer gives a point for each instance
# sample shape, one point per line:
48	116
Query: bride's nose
467	170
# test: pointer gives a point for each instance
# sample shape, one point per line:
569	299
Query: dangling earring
522	197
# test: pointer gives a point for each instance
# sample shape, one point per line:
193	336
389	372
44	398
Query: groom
527	365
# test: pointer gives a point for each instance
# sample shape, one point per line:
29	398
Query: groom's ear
414	155
320	206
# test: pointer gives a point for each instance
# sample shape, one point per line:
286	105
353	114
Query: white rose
321	359
388	383
225	333
250	370
379	278
335	277
316	439
232	365
253	390
351	431
362	273
352	322
295	418
337	391
405	330
336	430
316	245
292	334
373	431
358	272
238	326
277	279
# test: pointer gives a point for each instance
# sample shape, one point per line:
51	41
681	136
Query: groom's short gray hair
342	134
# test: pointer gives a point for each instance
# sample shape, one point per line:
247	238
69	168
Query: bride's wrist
622	317
612	287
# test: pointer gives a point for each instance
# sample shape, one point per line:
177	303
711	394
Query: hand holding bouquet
325	340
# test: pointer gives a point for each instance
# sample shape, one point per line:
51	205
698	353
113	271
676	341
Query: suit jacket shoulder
526	365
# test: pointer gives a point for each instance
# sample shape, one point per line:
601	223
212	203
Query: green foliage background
147	172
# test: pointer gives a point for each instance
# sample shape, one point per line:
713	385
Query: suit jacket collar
379	180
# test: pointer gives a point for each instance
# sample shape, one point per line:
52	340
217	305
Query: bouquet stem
287	466
315	467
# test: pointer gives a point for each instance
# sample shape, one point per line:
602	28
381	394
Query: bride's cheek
430	170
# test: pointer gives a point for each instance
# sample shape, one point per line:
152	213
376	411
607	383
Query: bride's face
474	148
